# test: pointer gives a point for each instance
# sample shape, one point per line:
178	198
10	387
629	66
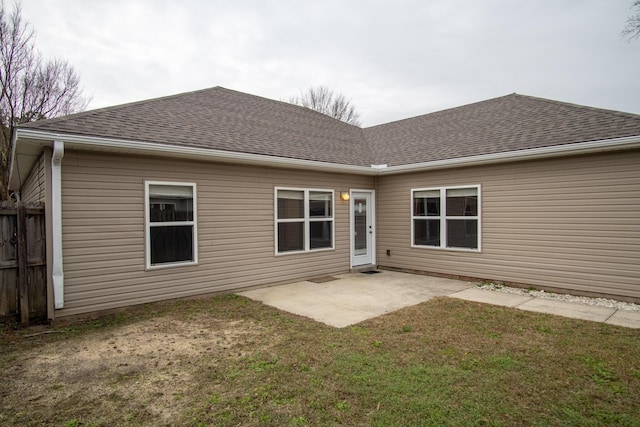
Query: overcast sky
395	59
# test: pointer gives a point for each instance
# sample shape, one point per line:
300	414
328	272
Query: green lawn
230	361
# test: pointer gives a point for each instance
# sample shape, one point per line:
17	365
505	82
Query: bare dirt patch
147	366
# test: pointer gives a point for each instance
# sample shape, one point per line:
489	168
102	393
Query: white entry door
362	232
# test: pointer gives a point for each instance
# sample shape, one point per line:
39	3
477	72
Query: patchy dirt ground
230	361
148	365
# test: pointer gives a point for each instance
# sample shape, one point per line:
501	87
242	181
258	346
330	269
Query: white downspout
56	217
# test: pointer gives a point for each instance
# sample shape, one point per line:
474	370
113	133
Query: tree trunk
5	162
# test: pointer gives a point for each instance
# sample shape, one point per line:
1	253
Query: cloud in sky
393	59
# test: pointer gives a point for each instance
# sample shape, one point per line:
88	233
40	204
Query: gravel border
602	302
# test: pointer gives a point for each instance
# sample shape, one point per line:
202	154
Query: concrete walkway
351	298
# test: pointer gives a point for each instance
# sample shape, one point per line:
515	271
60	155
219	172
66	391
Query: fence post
23	280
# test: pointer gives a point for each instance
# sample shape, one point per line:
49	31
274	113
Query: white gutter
56	215
190	152
380	169
527	154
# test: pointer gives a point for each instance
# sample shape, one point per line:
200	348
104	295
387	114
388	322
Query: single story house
218	190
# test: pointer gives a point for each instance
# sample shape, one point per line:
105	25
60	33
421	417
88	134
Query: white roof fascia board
233	156
527	154
191	152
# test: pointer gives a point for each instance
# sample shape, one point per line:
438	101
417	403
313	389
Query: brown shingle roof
509	123
224	119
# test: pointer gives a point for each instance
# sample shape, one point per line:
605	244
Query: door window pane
360	226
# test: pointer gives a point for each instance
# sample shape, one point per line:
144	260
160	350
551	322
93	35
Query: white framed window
171	224
446	217
303	220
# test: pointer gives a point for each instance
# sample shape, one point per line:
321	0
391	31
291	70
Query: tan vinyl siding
104	229
567	223
33	190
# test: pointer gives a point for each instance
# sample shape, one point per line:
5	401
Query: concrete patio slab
568	309
490	297
351	298
355	297
626	318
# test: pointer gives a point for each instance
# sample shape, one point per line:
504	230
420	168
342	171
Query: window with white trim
446	217
171	235
304	220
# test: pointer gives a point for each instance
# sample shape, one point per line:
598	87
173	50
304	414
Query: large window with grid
171	235
446	217
304	220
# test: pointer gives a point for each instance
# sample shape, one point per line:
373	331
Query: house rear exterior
217	190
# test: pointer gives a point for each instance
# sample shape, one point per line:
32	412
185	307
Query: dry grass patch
231	361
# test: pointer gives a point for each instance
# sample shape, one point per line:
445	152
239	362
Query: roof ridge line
580	106
61	119
442	111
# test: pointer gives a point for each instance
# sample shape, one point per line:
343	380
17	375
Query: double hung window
171	235
446	217
304	220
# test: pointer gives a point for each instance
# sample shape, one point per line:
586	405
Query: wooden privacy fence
23	267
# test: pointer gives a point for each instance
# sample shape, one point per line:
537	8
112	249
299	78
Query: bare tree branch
30	87
325	101
632	29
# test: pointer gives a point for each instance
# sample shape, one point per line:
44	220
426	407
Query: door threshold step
364	268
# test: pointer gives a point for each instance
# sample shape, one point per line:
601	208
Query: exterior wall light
344	195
